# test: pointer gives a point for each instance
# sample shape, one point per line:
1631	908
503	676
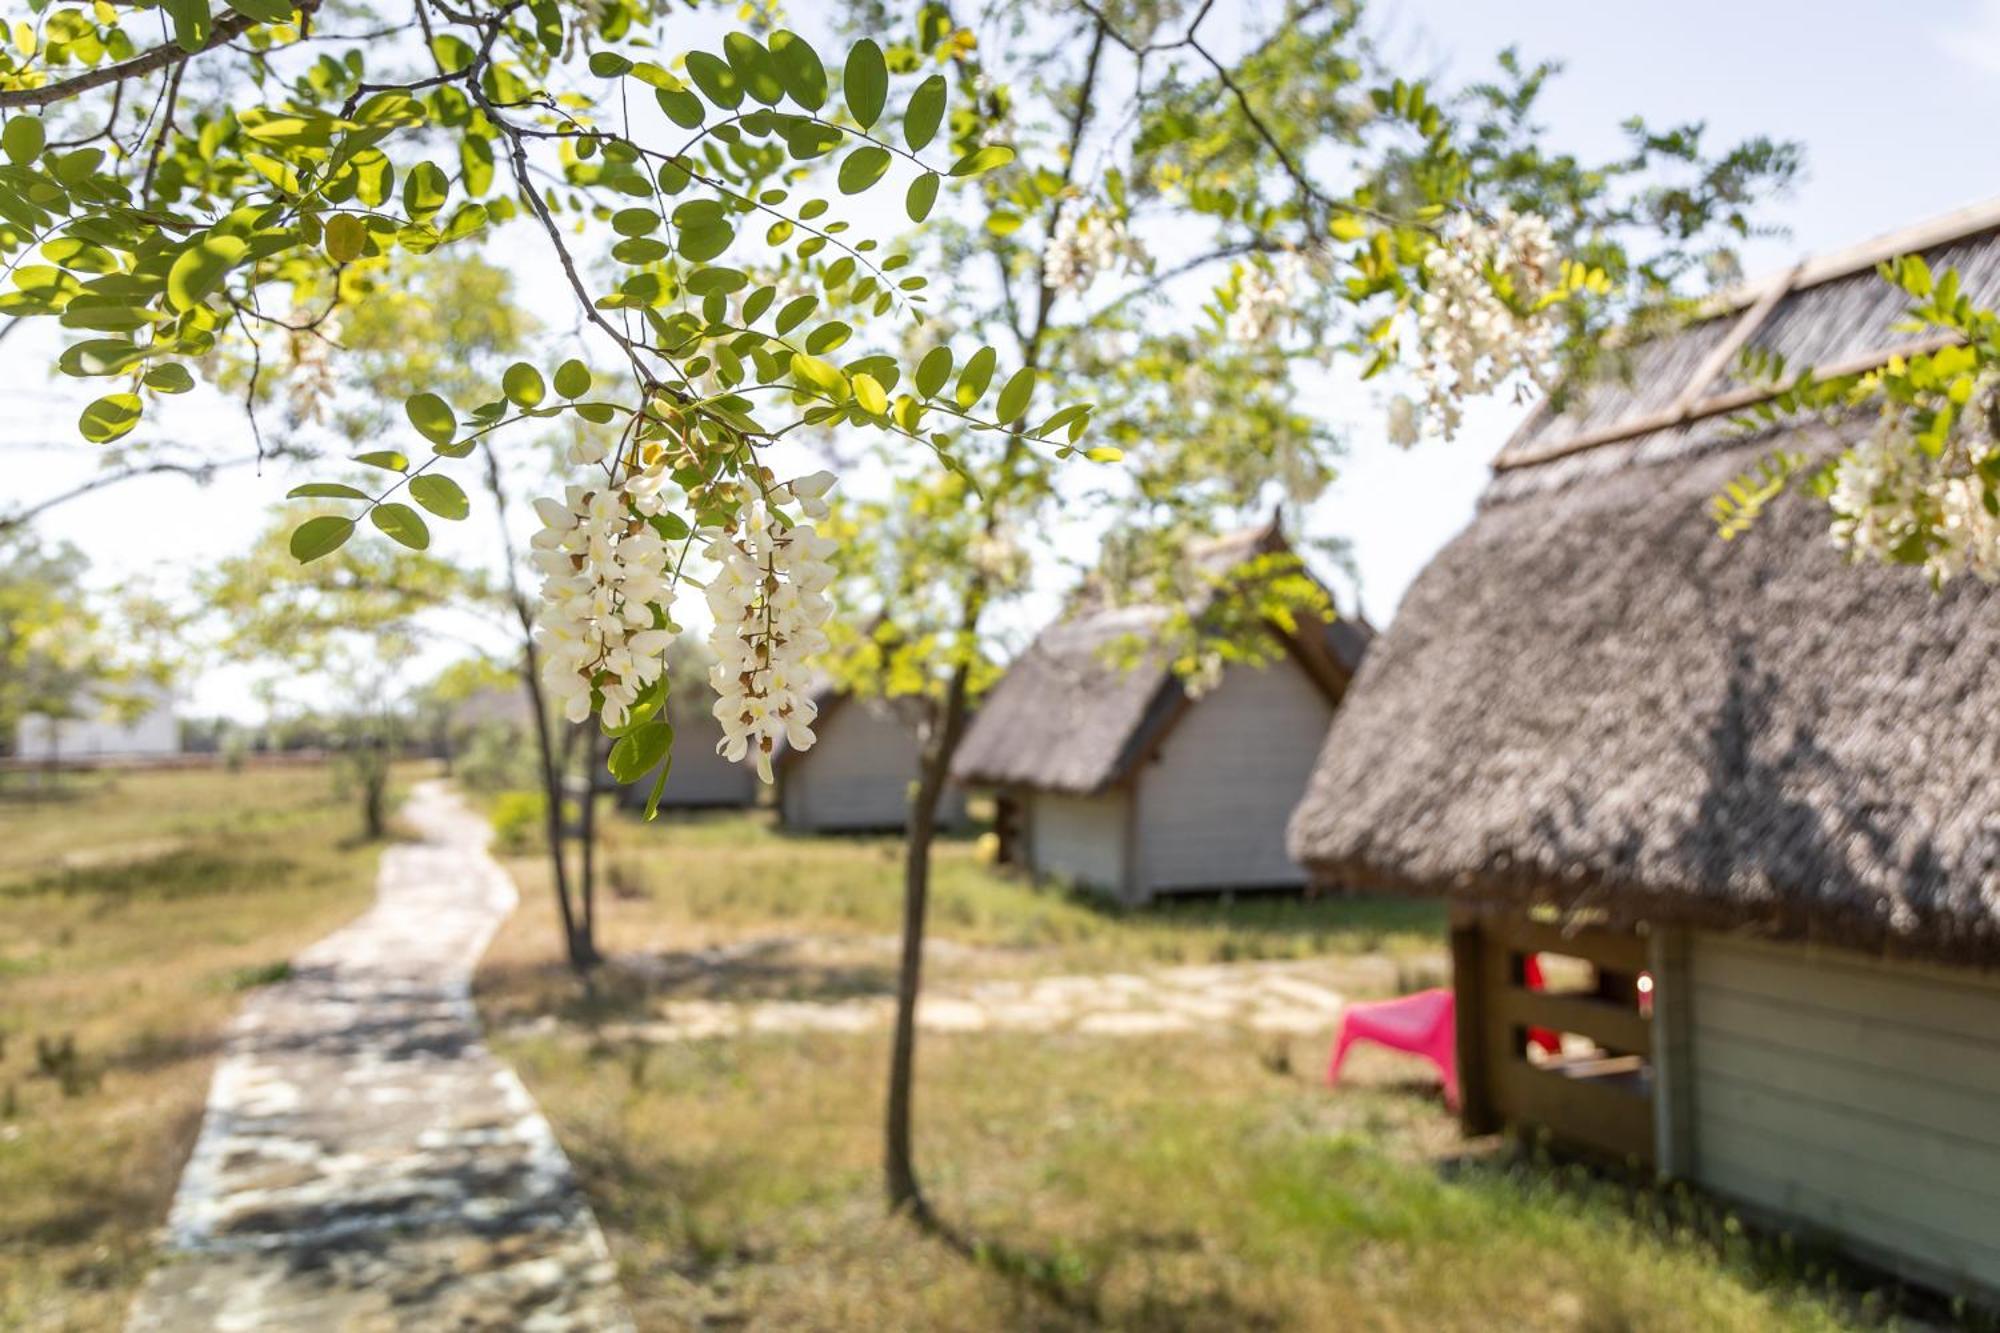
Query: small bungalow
858	775
700	778
1750	791
1115	776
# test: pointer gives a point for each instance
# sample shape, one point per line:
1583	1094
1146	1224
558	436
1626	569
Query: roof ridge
1752	304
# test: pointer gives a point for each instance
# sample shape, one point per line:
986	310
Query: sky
1894	105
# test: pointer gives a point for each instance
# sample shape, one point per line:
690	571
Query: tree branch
159	58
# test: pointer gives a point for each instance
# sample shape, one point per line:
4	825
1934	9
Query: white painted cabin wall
1214	801
1078	839
1852	1094
859	773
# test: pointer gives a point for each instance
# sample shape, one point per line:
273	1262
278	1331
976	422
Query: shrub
518	819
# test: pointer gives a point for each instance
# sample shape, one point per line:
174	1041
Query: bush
518	821
496	757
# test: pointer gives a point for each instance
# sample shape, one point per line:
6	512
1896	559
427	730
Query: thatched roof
1070	716
1589	700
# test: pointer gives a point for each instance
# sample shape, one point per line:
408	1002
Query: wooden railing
1601	1101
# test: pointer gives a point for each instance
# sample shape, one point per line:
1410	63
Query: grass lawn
1200	1181
134	911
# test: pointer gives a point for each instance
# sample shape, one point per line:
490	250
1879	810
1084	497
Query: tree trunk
551	769
587	831
899	1158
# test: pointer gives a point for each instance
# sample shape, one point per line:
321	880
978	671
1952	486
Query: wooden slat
1873	1091
1603	1114
1927	997
1926	1058
1613	1026
1616	950
1715	405
1674	1140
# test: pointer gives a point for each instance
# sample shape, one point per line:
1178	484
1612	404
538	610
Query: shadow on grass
1765	1256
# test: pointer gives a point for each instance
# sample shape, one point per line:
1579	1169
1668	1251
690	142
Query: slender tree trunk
545	746
587	830
899	1157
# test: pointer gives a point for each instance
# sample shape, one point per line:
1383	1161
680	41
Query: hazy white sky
1895	105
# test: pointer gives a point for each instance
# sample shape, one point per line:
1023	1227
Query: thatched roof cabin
861	769
1127	781
1772	774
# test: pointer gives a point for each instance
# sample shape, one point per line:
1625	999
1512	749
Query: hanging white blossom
604	623
1088	242
1890	495
1266	297
768	596
1470	337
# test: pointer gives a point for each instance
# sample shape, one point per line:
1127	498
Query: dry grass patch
134	911
1203	1182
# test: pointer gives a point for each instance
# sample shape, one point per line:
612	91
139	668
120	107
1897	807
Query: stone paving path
1277	997
366	1163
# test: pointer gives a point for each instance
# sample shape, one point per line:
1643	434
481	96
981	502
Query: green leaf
609	64
638	751
23	139
169	377
523	385
201	268
572	379
264	11
659	788
820	374
862	168
325	490
865	80
977	375
1014	397
925	112
346	238
869	393
983	159
800	68
703	241
683	108
933	371
403	524
794	312
755	69
387	459
110	417
191	23
923	194
718	82
424	190
441	495
432	417
320	536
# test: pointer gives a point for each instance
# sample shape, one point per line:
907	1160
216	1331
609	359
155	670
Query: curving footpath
366	1163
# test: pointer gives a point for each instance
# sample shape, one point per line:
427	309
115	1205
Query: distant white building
104	731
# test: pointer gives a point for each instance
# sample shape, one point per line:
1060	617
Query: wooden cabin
861	770
1751	791
1116	777
700	779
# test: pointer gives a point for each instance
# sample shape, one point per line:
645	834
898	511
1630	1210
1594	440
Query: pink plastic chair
1420	1024
1424	1025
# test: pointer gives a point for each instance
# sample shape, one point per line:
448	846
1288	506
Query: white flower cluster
1264	297
1888	491
770	605
1088	242
1469	339
606	594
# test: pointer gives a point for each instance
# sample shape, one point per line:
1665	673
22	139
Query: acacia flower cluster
1486	313
1265	296
604	622
769	600
1086	243
1893	501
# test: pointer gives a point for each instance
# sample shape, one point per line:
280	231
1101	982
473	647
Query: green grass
134	911
1199	1182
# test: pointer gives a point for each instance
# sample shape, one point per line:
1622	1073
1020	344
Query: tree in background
353	623
66	653
1204	228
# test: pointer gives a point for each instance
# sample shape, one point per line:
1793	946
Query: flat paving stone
366	1162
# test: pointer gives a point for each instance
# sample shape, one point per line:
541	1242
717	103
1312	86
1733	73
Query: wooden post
1476	1114
1673	1088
